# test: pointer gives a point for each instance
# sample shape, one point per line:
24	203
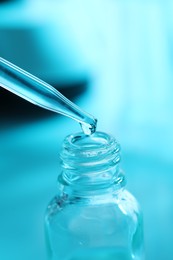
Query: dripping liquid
89	129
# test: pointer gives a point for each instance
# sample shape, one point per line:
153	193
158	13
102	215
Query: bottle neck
91	163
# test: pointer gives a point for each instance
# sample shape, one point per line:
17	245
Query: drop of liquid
89	129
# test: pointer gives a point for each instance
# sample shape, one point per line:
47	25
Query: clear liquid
102	254
89	129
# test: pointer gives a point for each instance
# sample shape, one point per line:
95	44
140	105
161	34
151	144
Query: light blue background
125	49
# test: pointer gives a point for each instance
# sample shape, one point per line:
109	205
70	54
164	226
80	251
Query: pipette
42	94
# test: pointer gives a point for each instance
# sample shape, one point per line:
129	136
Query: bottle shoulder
123	202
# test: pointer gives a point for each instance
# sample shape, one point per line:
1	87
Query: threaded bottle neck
90	161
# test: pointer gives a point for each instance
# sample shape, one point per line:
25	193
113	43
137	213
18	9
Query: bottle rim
82	145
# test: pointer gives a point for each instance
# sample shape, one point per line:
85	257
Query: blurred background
115	60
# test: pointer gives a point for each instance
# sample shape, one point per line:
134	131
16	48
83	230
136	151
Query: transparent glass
93	216
40	93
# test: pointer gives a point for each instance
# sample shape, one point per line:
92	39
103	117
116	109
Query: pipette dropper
42	94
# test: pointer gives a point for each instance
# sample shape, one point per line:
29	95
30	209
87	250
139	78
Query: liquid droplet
89	129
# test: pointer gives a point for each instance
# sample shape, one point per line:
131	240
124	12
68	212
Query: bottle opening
90	161
98	142
90	151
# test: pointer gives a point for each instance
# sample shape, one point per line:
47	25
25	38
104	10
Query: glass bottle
93	216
